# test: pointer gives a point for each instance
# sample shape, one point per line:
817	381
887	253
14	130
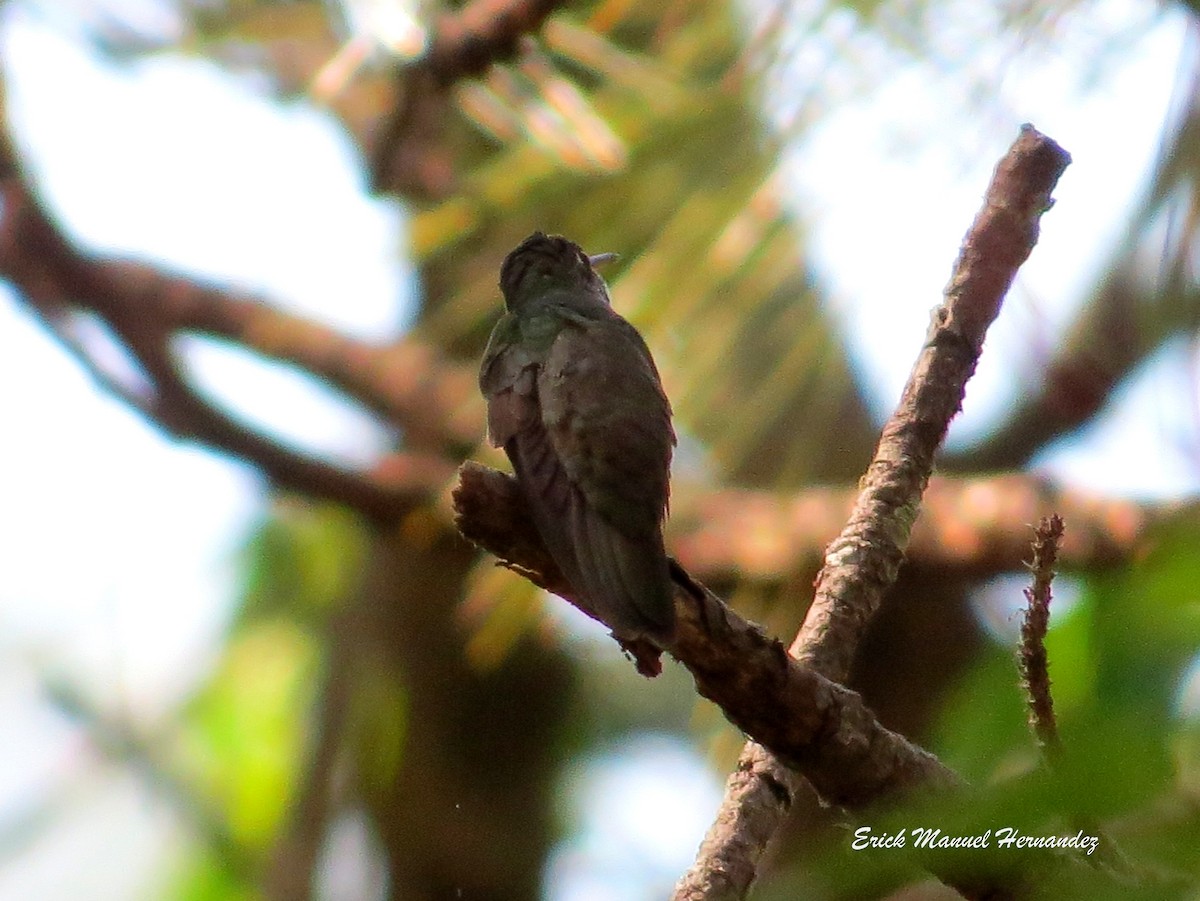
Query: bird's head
545	264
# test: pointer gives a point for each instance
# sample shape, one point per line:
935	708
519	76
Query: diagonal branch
863	562
1134	310
812	725
1126	321
865	559
146	309
404	382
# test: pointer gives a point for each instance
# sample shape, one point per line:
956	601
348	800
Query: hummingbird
574	398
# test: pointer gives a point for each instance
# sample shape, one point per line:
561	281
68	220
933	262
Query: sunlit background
124	552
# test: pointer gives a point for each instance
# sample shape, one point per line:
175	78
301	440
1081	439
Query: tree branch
463	45
1131	314
293	859
966	525
815	728
976	525
405	382
146	309
821	728
863	562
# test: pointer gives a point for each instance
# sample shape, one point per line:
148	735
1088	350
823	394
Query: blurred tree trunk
468	811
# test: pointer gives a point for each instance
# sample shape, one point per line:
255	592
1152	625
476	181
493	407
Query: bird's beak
600	259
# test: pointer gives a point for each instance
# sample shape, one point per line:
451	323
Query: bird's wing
600	465
507	379
610	421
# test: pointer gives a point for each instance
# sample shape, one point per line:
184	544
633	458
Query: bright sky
913	186
177	161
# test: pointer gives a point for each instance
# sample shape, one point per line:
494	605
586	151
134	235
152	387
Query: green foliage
301	563
242	739
711	267
1116	662
1148	622
243	735
205	876
983	729
378	722
1130	766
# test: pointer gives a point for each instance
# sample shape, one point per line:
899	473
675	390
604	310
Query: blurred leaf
983	729
301	563
243	735
1070	645
1165	832
499	608
1148	622
203	877
378	722
1114	761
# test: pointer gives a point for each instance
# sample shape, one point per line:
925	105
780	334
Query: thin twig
1034	667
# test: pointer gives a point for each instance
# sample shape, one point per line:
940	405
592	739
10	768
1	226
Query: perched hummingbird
576	402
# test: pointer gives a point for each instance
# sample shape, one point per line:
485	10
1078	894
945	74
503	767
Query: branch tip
1033	661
